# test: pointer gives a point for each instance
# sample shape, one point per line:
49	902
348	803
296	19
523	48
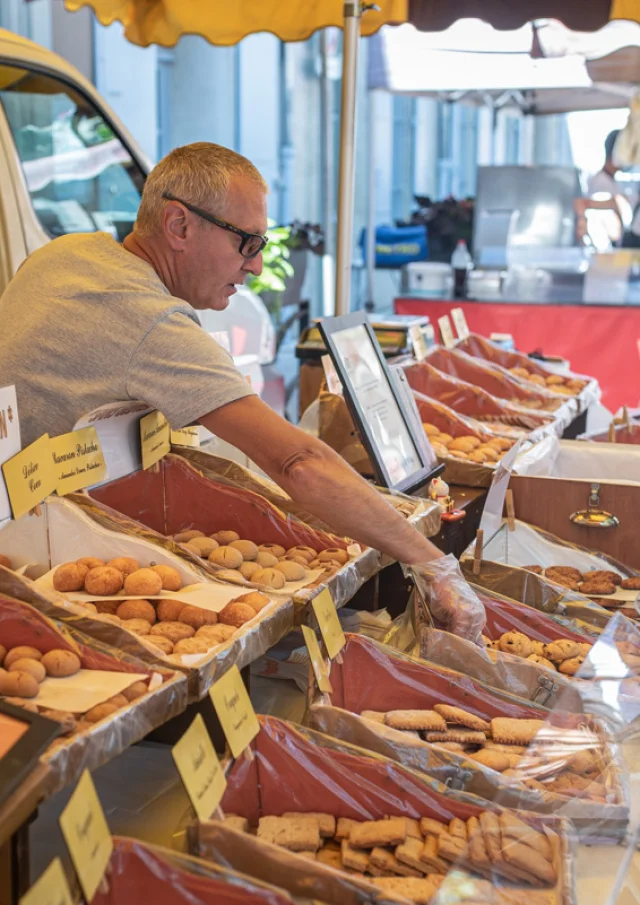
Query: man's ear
175	225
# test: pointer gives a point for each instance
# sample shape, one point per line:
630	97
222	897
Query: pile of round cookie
562	655
524	750
468	448
556	383
173	626
595	583
24	668
267	565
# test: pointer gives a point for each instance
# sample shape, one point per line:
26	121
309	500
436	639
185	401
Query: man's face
212	265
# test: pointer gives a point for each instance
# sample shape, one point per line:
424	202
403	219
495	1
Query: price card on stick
155	437
200	769
186	436
494	504
446	332
460	323
235	711
49	889
78	460
317	660
329	624
87	835
30	476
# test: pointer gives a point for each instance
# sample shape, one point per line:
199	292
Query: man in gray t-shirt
86	321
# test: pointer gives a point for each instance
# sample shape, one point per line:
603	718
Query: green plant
276	268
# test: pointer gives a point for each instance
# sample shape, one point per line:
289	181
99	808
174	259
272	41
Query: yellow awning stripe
228	21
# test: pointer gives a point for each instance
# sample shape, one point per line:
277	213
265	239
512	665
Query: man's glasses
250	246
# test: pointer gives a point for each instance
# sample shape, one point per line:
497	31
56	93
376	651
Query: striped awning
223	22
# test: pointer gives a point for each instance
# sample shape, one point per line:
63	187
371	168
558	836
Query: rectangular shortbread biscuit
508	731
420	891
386	860
236	822
298	834
372	833
415	719
353	858
327	822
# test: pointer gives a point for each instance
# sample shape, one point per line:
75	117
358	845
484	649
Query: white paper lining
84	690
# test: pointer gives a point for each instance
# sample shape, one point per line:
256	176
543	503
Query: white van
67	164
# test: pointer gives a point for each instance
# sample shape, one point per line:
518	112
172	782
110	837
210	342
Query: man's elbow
297	470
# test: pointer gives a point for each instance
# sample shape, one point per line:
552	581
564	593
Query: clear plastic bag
449	599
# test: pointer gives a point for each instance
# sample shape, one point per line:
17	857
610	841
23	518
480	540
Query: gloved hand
452	603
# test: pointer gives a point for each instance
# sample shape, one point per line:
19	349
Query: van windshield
80	175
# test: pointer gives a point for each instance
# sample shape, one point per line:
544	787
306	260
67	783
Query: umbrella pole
370	250
346	171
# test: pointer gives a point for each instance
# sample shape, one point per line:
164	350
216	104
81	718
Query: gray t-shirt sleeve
183	372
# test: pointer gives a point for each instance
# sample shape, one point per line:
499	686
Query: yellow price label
330	628
235	710
446	331
317	660
155	437
50	889
87	835
200	769
30	476
186	436
78	460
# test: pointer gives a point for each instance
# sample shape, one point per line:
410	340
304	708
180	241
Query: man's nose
253	265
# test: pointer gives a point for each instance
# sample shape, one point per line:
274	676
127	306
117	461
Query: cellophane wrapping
184	497
468	399
538	444
77	526
499	382
371	677
480	347
296	769
422	514
139	872
414	633
67	757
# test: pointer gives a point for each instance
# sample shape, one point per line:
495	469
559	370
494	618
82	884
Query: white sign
334	384
118	427
494	504
446	332
9	441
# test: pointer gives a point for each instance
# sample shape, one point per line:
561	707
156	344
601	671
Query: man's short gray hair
199	173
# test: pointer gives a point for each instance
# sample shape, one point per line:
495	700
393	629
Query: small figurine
439	491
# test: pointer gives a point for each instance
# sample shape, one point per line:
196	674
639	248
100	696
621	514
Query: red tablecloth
601	341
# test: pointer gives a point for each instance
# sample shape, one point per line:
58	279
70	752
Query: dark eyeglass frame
245	236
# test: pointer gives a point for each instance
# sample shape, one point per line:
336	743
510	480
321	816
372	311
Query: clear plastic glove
450	600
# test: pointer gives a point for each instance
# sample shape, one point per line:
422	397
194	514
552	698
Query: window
80	175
